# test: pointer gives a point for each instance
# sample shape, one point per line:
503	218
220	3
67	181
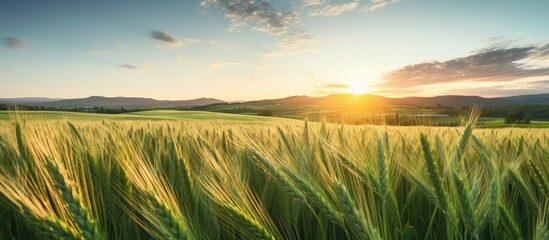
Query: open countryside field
73	177
144	115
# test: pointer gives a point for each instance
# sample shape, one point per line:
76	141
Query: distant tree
510	118
526	119
265	112
519	115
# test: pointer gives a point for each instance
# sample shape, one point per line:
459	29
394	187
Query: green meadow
144	115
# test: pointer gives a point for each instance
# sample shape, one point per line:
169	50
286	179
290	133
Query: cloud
135	66
329	8
13	42
165	37
99	52
377	4
260	15
285	53
218	63
295	40
191	40
489	65
513	89
335	85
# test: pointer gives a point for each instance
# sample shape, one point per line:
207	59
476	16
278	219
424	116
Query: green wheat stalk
89	227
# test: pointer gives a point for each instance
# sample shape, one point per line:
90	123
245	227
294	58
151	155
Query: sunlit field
75	178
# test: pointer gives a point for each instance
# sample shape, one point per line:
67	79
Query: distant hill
332	101
336	100
28	99
111	102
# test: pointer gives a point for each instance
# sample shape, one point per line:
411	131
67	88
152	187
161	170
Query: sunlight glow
356	88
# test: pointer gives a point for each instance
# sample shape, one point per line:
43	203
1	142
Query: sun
356	89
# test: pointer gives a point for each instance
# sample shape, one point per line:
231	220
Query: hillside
336	100
111	102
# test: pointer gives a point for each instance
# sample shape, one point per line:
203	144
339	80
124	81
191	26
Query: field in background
144	115
76	178
483	122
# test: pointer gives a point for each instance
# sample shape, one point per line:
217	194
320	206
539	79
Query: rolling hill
111	102
331	101
336	100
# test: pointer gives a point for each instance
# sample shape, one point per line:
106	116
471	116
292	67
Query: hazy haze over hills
98	101
333	100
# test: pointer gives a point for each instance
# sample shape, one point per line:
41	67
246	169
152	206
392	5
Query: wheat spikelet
354	217
277	174
171	224
508	222
59	229
433	172
541	181
463	143
316	198
493	199
48	226
466	205
389	200
89	228
253	228
23	150
520	185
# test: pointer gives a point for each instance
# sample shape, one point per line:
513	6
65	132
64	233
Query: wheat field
120	179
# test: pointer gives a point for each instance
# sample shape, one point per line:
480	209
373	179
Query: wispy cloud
285	53
331	88
511	89
329	8
335	85
99	52
165	38
295	40
218	63
13	42
498	63
191	40
377	4
142	66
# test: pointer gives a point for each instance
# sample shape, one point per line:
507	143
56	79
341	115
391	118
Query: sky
259	49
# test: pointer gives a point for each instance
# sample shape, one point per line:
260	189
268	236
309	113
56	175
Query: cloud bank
498	63
511	89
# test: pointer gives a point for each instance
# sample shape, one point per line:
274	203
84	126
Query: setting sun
356	89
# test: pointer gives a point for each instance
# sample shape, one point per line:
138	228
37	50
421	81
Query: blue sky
243	50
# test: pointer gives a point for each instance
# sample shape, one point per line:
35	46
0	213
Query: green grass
73	177
197	115
144	115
